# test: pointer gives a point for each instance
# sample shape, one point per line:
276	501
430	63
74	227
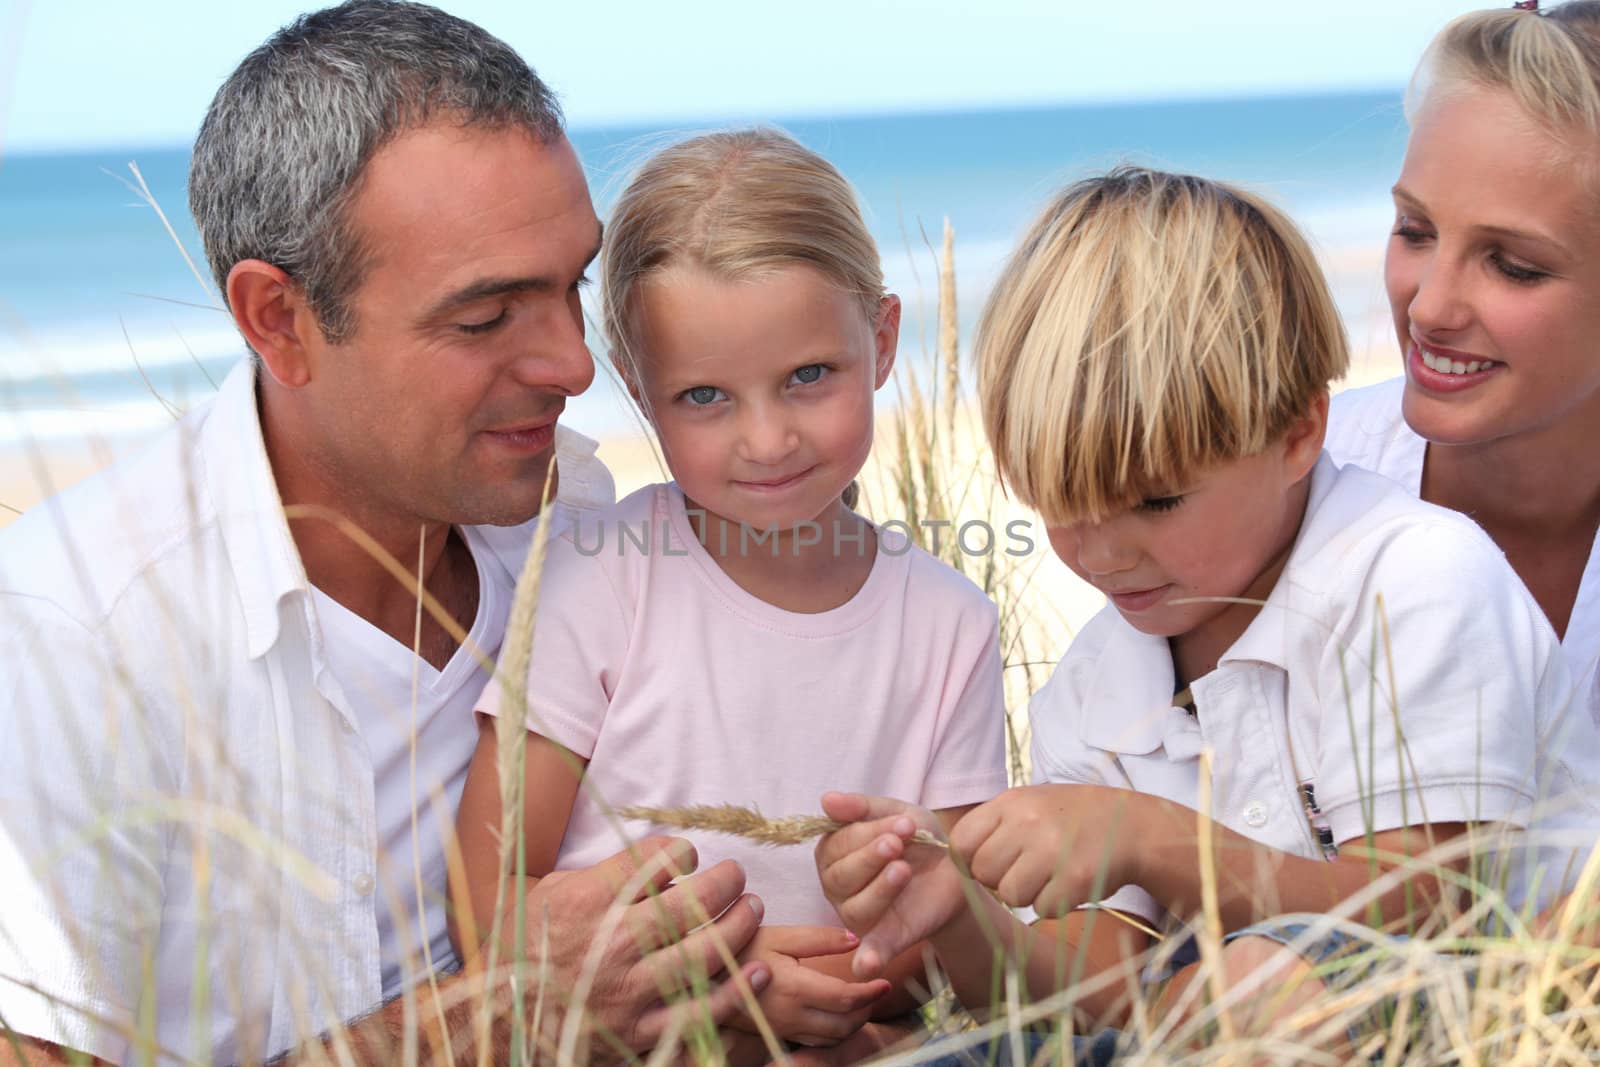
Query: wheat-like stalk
750	824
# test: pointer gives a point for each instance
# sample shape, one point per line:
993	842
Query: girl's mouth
1445	371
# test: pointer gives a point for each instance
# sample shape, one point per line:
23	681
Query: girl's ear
1302	443
885	338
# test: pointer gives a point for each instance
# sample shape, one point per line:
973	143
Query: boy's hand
803	1005
886	888
1053	847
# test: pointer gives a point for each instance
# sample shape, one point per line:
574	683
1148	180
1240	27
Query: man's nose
557	357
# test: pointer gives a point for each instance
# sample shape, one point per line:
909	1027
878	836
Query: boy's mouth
1137	599
774	485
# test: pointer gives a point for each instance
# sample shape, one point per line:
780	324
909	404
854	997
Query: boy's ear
885	338
271	312
1302	443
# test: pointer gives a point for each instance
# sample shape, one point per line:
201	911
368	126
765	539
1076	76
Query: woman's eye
1407	229
702	395
1159	503
1515	271
811	372
481	327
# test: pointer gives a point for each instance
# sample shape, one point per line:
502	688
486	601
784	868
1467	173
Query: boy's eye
811	372
702	395
482	327
1159	503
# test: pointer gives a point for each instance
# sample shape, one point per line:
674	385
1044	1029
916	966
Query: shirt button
1255	814
346	725
362	884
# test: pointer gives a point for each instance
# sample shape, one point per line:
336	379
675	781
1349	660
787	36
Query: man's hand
1052	847
621	967
803	1005
889	890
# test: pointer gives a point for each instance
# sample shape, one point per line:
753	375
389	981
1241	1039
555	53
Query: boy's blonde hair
1549	63
1149	325
737	204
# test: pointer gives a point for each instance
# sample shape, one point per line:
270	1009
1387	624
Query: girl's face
761	389
1493	274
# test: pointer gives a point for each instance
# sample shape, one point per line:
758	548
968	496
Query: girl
1154	369
740	635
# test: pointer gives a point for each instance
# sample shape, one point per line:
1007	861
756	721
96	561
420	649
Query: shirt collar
255	534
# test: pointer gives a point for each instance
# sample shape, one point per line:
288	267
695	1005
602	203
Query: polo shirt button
1255	814
362	884
346	725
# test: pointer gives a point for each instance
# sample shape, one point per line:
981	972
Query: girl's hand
886	888
803	1005
1053	847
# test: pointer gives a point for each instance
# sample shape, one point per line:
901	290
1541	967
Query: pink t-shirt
681	688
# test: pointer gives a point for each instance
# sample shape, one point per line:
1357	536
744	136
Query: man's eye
811	372
481	327
1160	503
702	395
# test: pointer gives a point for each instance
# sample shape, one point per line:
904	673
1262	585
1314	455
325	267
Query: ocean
105	331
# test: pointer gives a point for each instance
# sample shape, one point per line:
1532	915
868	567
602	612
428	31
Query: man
231	741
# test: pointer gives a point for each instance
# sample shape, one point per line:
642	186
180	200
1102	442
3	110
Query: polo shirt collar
255	534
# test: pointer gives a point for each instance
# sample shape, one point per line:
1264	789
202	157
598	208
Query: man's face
441	404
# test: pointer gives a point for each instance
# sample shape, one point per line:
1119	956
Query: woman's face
1493	274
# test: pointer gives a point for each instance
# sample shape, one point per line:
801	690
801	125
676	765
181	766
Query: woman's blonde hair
737	204
1149	325
1549	63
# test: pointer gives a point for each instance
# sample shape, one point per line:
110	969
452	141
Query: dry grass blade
750	824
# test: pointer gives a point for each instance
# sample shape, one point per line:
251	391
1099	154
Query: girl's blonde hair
1149	325
1549	63
737	204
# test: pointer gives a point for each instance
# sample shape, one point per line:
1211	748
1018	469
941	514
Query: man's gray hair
280	155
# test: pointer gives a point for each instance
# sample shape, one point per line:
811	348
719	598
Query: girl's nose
766	437
1439	305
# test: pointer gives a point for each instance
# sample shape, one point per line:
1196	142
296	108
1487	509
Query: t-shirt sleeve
83	869
580	644
1429	688
969	757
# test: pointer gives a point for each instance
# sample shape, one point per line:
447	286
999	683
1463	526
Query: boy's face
1224	534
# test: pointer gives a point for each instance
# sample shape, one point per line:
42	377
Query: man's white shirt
205	805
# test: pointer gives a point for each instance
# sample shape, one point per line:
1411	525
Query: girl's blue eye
1160	503
702	395
811	372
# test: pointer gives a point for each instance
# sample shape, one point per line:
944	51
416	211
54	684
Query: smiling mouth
772	485
1451	363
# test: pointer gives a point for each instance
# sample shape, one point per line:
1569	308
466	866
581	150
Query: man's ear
885	338
1302	443
271	311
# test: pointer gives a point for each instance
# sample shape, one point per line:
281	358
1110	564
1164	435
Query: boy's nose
1101	552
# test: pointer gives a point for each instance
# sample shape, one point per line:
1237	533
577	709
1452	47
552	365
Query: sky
80	73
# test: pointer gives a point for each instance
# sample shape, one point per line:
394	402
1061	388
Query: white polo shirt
1388	610
190	816
1366	428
